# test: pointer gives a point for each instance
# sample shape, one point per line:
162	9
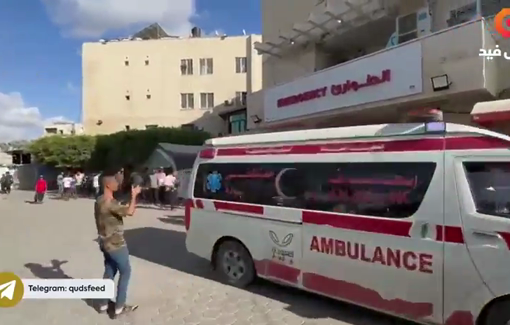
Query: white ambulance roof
365	131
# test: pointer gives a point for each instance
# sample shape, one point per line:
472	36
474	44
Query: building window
206	100
241	64
187	101
61	131
206	66
151	126
127	127
378	189
128	97
147	61
241	98
186	67
237	123
126	63
51	130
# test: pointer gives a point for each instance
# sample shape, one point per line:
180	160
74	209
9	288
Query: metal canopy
330	18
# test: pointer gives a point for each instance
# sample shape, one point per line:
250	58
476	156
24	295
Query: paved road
171	286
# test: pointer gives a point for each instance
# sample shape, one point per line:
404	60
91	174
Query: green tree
134	147
63	151
103	151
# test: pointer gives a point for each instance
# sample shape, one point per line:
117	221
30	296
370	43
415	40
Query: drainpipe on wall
479	9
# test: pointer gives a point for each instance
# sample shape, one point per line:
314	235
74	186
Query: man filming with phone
109	215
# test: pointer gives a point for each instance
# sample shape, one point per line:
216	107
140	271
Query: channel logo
11	290
502	22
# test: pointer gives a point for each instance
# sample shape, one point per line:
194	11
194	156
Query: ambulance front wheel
234	264
498	314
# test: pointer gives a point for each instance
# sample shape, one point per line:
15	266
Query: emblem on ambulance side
279	253
284	243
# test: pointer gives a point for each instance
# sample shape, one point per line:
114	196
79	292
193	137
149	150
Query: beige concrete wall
107	80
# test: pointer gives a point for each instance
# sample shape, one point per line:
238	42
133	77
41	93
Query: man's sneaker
103	309
125	310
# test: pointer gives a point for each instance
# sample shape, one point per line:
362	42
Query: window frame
187	101
186	67
241	64
241	98
209	101
206	66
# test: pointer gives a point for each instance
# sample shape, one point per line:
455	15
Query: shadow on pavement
53	272
167	248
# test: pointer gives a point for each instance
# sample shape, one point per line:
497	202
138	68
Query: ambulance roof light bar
435	127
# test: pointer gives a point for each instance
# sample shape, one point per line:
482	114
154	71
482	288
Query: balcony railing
329	19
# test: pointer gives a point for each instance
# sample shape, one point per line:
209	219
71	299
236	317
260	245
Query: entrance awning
492	112
328	19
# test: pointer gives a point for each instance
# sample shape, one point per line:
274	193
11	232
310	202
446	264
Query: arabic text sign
336	89
396	72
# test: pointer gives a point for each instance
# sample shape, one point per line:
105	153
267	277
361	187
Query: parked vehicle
412	220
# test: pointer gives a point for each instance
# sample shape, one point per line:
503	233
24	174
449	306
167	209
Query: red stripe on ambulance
458	143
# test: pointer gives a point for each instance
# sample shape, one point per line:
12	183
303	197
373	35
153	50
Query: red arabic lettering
250	174
335	89
360	197
350	85
396	181
409	260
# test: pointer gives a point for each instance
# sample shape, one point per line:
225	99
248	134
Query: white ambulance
412	220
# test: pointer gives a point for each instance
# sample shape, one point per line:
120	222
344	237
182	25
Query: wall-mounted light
440	82
99	122
256	119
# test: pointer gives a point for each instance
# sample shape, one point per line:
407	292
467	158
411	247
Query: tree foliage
103	151
63	151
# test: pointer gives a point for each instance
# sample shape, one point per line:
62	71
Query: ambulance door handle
425	231
490	234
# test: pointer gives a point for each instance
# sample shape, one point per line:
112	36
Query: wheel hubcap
233	265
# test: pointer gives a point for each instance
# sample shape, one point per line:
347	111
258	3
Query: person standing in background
95	184
154	188
79	181
67	183
41	186
60	184
172	183
160	176
73	186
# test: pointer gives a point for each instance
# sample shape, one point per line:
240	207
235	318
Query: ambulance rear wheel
234	264
498	314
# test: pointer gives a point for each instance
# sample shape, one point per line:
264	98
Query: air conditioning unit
228	103
413	25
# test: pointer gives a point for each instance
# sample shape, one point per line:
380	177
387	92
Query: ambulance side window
390	189
489	183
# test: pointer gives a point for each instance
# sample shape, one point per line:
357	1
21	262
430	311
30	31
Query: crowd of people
159	187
